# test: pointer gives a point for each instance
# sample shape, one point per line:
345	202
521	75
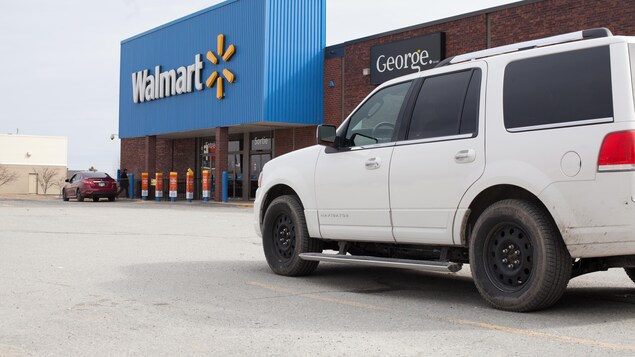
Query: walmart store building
232	86
220	88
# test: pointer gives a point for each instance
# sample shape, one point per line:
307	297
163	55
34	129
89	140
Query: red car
90	184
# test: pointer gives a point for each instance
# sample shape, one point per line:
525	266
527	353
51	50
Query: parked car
517	160
88	184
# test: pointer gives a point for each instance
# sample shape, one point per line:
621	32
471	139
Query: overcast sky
60	59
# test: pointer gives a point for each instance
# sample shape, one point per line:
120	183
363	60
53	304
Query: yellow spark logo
226	55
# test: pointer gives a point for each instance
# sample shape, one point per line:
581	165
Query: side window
557	90
447	105
374	122
74	178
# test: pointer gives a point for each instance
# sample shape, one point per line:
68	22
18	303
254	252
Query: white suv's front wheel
285	237
517	257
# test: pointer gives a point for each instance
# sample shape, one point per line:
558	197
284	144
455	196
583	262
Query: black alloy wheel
80	197
64	196
509	262
284	237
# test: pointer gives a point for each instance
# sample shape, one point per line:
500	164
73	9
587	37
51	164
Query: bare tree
59	183
45	177
7	176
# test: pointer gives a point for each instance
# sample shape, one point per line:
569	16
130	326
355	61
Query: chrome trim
609	168
561	125
423	265
432	140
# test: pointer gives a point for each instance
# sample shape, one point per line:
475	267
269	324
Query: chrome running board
424	265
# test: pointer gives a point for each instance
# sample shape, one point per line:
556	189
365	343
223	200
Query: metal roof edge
184	18
434	22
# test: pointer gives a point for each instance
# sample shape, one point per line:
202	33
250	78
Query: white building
35	162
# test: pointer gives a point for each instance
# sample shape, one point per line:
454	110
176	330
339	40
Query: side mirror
326	135
67	180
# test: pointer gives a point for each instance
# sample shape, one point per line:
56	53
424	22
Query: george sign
395	59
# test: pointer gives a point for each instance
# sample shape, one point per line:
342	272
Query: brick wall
524	22
287	140
133	155
185	154
333	95
164	156
171	155
553	17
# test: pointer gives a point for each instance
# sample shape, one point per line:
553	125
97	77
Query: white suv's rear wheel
517	257
285	237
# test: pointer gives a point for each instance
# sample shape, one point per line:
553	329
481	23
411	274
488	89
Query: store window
207	161
260	154
235	169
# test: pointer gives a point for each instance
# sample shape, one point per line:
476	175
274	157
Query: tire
285	236
517	257
631	273
64	196
111	198
95	199
80	197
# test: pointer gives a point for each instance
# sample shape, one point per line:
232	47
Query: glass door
207	161
235	170
255	167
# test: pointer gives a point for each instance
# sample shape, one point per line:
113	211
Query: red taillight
89	182
618	152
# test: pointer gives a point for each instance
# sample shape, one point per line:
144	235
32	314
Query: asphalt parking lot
133	278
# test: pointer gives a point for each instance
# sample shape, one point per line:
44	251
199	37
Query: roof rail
567	37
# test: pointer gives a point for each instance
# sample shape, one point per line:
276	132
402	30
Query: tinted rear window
558	89
95	175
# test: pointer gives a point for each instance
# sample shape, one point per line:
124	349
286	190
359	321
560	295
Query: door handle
373	163
465	156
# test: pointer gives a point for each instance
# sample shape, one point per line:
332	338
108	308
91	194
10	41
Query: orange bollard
144	185
206	191
158	186
189	185
173	186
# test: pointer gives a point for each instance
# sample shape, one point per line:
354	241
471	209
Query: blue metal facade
278	68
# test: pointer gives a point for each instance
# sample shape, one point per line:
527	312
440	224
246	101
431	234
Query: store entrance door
257	162
235	170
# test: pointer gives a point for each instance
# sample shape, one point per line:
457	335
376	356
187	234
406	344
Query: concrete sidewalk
32	197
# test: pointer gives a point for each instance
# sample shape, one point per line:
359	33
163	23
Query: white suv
518	160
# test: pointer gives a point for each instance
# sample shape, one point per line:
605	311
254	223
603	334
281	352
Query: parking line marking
529	333
549	336
318	297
